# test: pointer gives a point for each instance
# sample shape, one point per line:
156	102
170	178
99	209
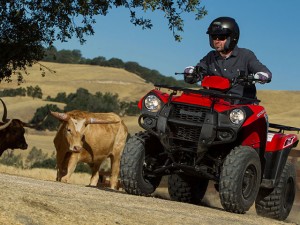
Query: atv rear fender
279	146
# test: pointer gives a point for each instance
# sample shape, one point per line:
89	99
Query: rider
228	60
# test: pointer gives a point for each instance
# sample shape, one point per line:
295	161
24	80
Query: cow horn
29	125
2	127
4	117
93	120
60	116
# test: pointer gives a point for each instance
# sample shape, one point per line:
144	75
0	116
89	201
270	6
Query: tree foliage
29	26
13	92
85	101
42	120
34	92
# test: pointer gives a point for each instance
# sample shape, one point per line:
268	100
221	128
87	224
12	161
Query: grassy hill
69	77
282	106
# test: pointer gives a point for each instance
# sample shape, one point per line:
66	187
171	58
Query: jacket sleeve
255	66
202	66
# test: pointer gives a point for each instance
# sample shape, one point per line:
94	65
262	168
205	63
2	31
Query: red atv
194	136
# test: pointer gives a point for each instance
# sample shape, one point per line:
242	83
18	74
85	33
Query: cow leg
115	170
72	162
62	159
95	174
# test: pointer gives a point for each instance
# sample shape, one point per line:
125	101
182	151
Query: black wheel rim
144	173
148	178
249	181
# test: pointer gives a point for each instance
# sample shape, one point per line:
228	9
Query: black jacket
241	59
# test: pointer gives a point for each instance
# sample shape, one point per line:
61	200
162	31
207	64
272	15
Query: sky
267	27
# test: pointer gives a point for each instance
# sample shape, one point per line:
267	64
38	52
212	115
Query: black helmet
224	26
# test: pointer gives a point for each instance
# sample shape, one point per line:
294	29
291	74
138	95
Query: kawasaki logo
182	111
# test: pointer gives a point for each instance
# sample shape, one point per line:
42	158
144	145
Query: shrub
34	156
49	163
10	159
83	168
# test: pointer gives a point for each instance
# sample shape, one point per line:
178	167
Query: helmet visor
218	30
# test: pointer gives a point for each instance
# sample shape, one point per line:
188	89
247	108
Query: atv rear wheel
187	189
240	179
277	203
134	161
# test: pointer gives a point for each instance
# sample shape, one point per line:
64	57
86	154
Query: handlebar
207	92
240	79
244	80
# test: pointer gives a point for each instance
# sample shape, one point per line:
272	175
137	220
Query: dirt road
29	201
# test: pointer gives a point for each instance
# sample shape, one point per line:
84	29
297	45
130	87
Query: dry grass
69	77
44	174
282	106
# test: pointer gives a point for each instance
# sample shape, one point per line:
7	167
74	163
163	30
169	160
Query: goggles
220	37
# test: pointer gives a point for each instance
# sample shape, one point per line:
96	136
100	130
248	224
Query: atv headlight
152	103
237	116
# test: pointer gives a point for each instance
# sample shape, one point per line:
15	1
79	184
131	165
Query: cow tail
121	136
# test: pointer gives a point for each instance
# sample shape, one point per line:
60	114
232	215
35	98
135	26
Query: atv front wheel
277	203
134	162
240	179
187	189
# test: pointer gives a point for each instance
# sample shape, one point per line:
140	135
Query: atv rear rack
283	128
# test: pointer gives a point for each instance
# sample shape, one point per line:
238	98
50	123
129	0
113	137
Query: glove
189	70
262	77
189	75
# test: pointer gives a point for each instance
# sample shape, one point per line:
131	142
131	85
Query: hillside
282	107
69	77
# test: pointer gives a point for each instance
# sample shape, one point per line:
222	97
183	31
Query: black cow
12	132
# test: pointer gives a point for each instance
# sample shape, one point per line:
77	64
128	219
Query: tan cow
90	138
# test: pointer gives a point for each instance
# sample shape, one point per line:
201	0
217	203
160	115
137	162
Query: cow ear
60	116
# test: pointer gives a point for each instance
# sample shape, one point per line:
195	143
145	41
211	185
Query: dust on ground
26	200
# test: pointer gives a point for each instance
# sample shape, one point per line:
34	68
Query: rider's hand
189	70
262	77
189	75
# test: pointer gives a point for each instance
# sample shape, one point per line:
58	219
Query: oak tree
28	27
